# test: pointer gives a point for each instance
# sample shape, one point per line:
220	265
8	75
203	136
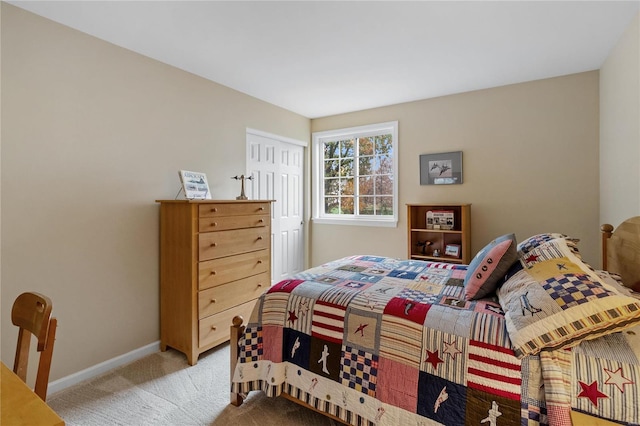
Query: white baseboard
103	367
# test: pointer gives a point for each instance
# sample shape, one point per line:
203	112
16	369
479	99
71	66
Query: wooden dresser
215	261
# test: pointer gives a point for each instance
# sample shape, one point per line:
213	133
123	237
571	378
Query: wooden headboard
621	251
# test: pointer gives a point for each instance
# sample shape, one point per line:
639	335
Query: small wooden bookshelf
442	237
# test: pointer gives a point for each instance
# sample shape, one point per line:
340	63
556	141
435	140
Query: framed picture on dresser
194	185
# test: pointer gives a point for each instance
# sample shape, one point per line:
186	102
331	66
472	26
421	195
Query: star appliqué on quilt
591	391
293	317
616	378
433	359
532	258
451	349
303	307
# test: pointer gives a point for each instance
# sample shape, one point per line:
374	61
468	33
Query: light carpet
162	389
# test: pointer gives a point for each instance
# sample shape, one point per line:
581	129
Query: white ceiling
329	57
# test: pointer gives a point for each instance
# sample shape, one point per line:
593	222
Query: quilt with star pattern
379	341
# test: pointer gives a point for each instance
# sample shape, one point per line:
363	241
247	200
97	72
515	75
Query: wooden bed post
606	230
237	330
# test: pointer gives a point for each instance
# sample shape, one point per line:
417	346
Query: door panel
277	167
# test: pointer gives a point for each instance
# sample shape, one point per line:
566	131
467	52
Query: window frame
319	139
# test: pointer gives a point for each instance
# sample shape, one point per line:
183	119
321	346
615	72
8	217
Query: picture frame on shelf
194	185
441	169
440	219
452	250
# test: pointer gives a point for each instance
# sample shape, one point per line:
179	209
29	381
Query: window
355	175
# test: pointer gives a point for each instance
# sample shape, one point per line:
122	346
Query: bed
527	333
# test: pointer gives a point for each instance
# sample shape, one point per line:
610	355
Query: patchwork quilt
380	341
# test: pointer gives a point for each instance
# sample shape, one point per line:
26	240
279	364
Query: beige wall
530	160
92	135
620	129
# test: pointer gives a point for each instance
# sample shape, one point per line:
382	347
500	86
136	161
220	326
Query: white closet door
277	167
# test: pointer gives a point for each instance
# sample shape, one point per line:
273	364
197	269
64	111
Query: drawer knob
213	327
260	237
214	244
214	210
214	224
261	208
261	221
213	300
259	285
213	272
259	262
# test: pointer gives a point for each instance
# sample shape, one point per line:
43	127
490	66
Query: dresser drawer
214	329
212	245
217	299
232	209
215	272
208	224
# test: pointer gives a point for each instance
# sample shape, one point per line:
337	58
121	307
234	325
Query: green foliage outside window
358	172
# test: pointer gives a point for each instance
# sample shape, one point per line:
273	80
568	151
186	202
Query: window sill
392	223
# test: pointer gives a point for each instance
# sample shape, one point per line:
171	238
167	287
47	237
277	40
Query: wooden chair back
31	313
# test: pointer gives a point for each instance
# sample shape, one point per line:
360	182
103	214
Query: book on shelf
440	219
194	185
